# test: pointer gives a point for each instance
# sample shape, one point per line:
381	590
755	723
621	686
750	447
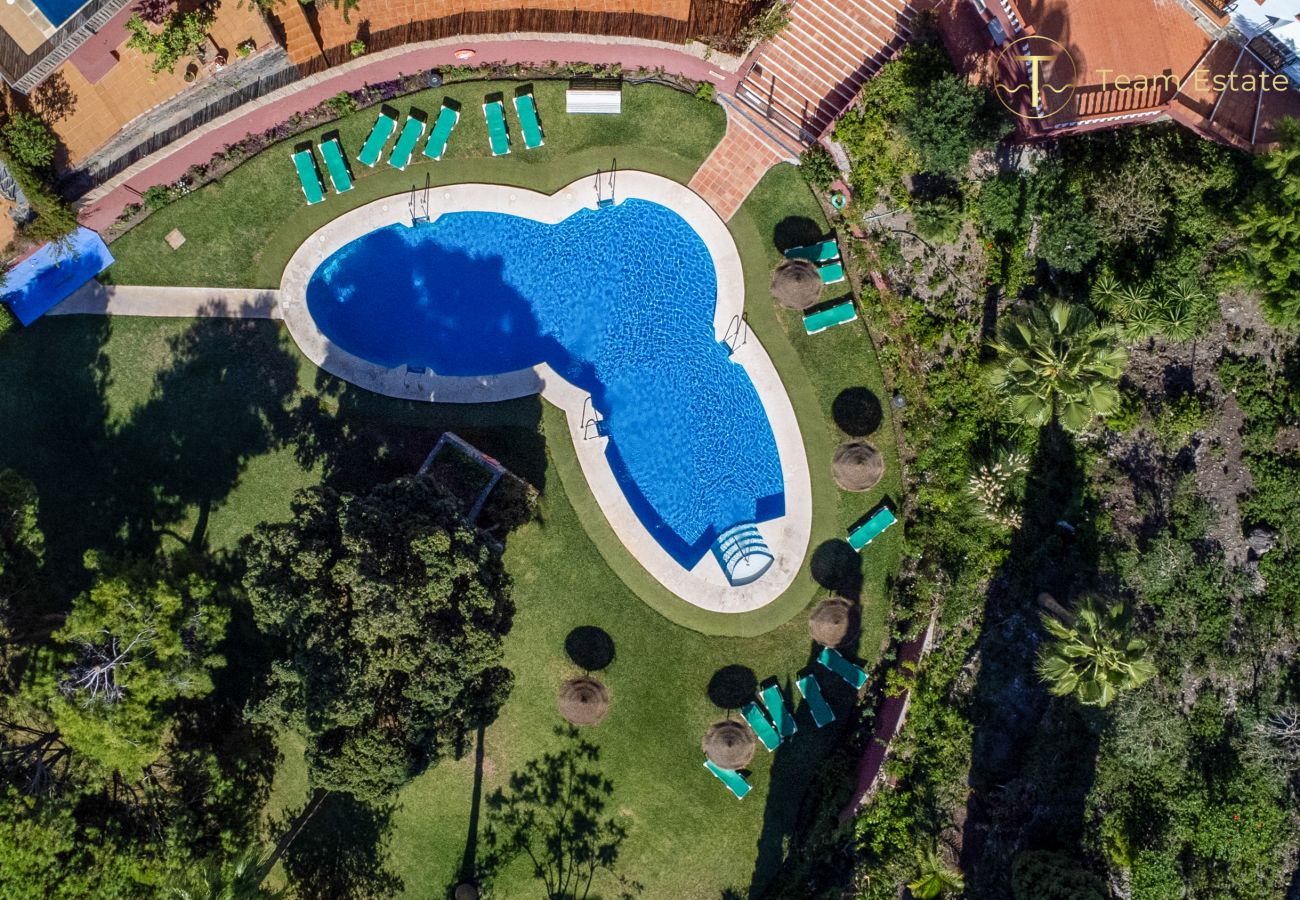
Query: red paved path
176	159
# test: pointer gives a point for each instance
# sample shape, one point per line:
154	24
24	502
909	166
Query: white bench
599	101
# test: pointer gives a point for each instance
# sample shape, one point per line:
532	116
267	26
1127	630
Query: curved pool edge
705	585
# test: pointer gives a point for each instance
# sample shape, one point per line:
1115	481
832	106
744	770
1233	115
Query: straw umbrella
583	701
857	466
729	744
831	621
797	284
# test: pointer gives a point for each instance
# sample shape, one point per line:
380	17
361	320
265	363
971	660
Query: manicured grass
242	230
129	426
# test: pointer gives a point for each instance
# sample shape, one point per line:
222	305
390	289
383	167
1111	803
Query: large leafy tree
1058	363
388	611
134	646
1095	657
1271	226
951	119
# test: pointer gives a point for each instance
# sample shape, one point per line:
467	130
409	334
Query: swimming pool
58	11
619	301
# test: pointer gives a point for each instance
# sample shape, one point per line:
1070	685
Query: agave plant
1094	658
1058	363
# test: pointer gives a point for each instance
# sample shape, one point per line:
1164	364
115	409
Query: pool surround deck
705	585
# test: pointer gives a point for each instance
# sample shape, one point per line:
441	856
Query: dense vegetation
1109	708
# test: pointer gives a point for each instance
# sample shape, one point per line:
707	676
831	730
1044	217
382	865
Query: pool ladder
737	333
593	423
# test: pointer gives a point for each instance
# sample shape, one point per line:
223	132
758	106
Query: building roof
51	274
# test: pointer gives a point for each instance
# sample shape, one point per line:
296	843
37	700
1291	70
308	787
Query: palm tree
1094	657
1058	363
239	879
936	879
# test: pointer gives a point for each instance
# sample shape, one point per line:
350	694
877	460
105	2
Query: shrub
818	167
705	91
766	24
8	322
951	119
29	140
342	104
180	37
357	48
245	48
157	196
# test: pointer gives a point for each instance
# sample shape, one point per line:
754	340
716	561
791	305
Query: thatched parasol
857	466
830	621
466	891
729	744
583	701
797	284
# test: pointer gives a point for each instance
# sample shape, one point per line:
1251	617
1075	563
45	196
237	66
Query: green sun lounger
831	273
819	253
498	138
762	727
531	129
309	176
379	135
407	141
437	146
839	314
774	700
868	531
812	692
831	659
336	165
734	781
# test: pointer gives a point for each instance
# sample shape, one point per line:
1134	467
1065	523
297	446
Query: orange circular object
464	54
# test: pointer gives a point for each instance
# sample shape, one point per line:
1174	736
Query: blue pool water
619	301
59	11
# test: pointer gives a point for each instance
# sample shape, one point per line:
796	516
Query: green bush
29	140
704	90
357	48
8	321
180	37
342	104
818	167
950	120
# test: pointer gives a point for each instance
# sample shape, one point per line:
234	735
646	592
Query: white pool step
743	553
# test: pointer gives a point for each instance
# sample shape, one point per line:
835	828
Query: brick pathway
739	161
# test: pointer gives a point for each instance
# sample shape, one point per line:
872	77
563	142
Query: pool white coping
705	585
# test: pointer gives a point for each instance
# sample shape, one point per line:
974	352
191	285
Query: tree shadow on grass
796	231
838	568
222	401
857	411
341	853
731	687
56	435
554	813
590	648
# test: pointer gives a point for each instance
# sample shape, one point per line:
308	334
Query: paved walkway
102	205
179	302
740	160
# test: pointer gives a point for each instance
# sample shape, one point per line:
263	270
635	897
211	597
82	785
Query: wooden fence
719	23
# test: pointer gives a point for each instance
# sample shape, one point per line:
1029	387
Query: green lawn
242	230
138	431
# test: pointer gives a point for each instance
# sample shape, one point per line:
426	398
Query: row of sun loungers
777	723
826	256
408	140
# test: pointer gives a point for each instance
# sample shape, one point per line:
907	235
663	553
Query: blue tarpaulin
50	275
